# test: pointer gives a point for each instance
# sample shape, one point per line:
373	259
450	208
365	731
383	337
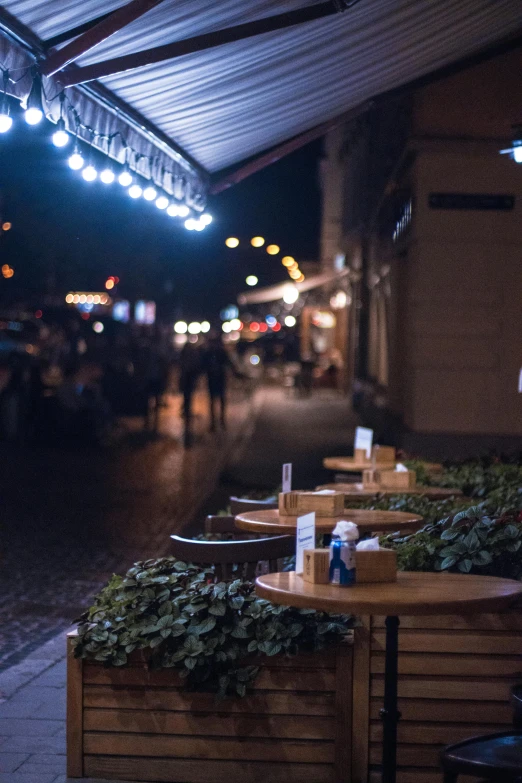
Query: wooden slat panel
418	775
451	711
179	771
446	688
432	733
160	722
267	679
268	702
454	642
74	714
505	621
361	701
170	746
453	665
343	712
323	659
409	755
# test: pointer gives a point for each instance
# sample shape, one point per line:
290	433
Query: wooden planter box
455	675
132	724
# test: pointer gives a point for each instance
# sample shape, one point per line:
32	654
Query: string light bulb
34	112
60	136
135	191
107	176
76	160
149	194
206	219
173	210
183	211
162	202
125	178
89	173
190	224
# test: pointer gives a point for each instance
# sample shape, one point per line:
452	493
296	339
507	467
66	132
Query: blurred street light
251	280
290	320
273	250
232	242
257	241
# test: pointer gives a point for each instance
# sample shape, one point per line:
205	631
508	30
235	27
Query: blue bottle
342	554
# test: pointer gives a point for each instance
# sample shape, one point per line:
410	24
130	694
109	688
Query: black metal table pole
389	714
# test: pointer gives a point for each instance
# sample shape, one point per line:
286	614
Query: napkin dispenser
327	503
316	566
375	566
375	478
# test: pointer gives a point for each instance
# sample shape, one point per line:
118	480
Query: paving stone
9	762
45	763
30	777
22	705
16	727
31	744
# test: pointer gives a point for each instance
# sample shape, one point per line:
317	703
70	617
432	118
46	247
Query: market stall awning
212	108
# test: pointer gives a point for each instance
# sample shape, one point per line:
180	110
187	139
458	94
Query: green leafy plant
211	633
475	540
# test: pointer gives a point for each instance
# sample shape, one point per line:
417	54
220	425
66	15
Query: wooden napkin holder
375	478
316	566
376	566
296	503
383	455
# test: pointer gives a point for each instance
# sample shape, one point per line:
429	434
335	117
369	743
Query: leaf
192	645
240	633
218	609
165	609
156	641
240	689
190	663
204	627
482	558
448	562
236	602
252	646
465	566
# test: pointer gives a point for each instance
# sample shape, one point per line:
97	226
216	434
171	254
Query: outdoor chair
234	558
491	757
241	505
221	524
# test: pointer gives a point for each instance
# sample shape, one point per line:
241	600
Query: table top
414	593
351	465
357	491
269	521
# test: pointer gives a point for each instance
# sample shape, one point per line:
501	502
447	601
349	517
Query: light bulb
89	173
173	210
33	115
125	178
199	225
162	202
206	219
517	153
135	191
190	224
5	121
183	211
149	194
76	161
107	176
60	136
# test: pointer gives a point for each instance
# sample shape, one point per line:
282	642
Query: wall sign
480	201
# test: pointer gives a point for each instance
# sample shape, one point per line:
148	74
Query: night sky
68	234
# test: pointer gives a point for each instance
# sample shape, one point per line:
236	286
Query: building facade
428	216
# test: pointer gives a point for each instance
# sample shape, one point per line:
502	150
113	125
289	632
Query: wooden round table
269	522
358	492
351	465
413	594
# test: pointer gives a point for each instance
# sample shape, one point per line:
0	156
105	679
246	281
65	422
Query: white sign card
287	477
363	440
305	539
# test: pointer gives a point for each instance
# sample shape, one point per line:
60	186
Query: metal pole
389	714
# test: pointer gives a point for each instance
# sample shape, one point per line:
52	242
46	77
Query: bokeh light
273	250
257	241
232	242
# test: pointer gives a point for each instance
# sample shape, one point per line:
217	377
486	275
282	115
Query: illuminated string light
162	202
125	177
89	173
257	241
34	112
76	160
150	193
273	250
135	191
232	242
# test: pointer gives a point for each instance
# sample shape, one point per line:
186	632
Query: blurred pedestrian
189	372
216	362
